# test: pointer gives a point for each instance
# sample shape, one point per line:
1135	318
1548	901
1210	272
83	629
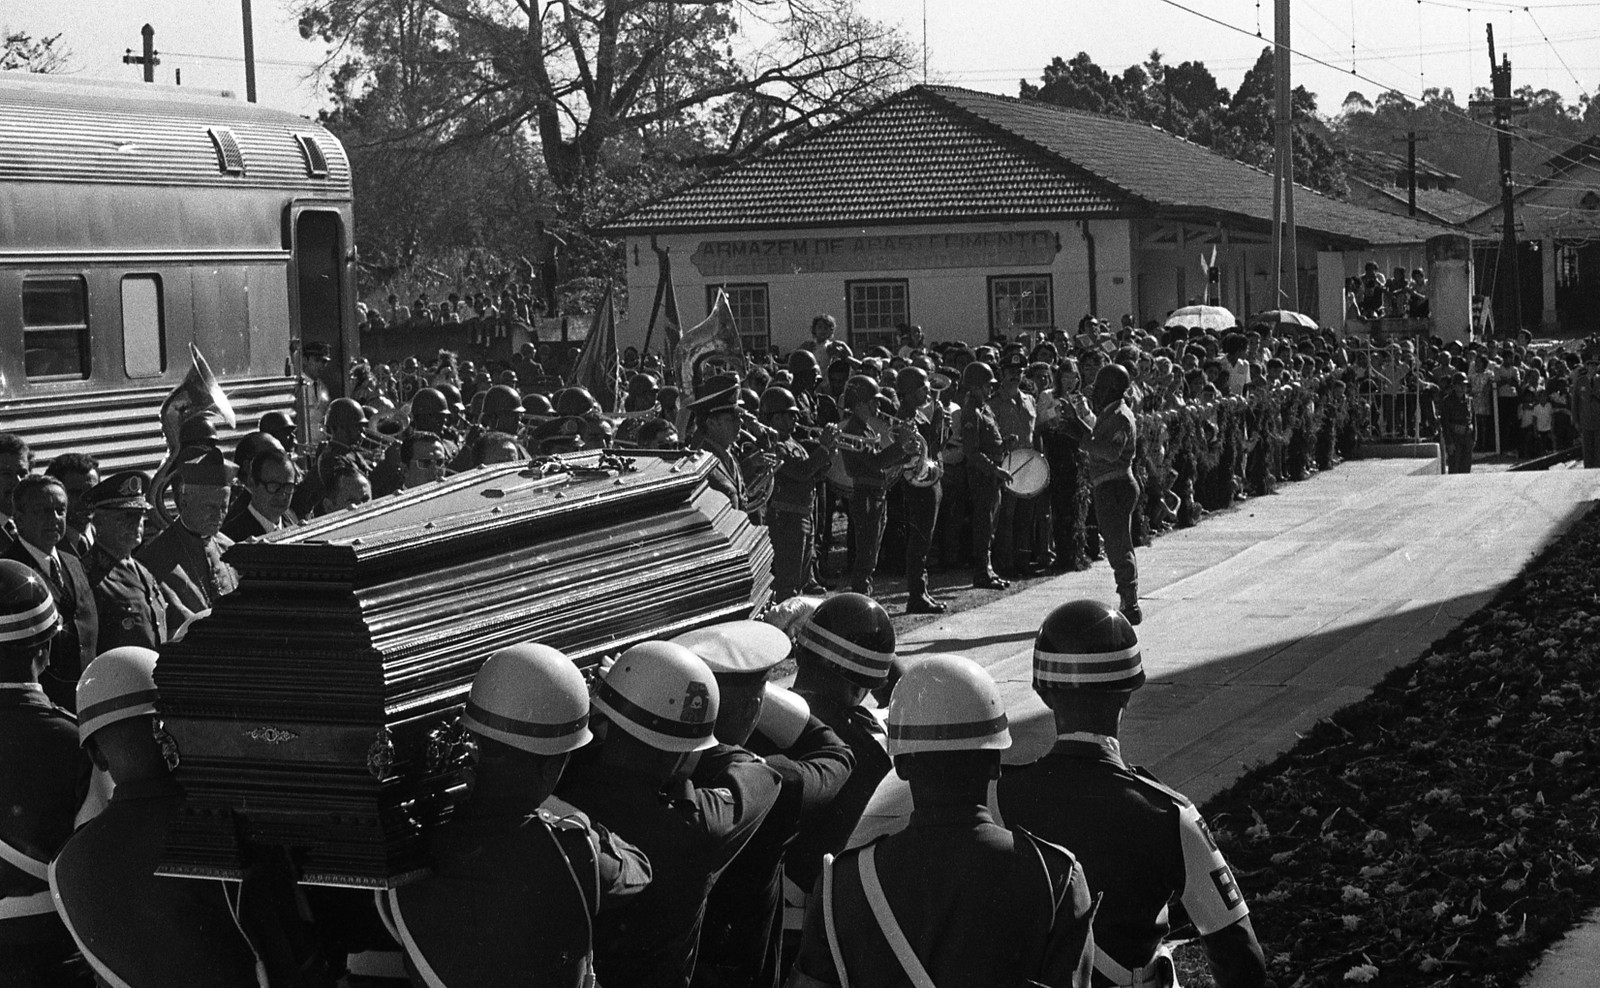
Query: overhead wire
1553	48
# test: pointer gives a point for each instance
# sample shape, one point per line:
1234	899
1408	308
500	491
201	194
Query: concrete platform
1270	616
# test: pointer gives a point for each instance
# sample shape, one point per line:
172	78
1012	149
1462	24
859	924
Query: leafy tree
1079	84
22	52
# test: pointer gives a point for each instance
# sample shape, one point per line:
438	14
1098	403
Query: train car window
230	160
55	328
311	150
144	331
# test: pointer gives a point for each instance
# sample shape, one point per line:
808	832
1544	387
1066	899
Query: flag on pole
665	311
1209	268
598	367
711	347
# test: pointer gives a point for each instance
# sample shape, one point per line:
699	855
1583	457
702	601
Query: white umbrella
1204	316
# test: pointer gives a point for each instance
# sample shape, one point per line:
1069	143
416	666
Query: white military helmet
530	697
118	684
946	703
663	694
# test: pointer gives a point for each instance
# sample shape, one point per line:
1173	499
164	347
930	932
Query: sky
989	45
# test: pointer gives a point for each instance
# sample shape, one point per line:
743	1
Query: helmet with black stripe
946	703
120	683
662	694
28	616
531	697
1087	645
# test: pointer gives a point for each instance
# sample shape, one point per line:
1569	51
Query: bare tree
22	52
585	75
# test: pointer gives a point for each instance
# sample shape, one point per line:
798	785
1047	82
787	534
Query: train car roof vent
230	160
311	150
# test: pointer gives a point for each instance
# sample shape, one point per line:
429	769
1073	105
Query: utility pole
1283	125
1411	140
1508	281
148	59
249	54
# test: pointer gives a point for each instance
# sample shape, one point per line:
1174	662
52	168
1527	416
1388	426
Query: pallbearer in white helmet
655	708
954	899
134	927
1141	844
518	875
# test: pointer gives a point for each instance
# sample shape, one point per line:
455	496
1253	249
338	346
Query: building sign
875	252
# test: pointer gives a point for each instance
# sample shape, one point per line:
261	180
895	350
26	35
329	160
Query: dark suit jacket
74	646
243	526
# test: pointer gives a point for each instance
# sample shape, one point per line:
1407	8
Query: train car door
319	303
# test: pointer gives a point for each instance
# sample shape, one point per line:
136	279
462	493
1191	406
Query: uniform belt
19	906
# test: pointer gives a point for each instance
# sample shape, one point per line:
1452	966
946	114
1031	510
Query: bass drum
1030	473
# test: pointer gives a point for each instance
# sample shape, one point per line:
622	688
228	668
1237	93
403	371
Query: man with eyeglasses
270	479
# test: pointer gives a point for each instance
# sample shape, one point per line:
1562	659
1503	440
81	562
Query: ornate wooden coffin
315	708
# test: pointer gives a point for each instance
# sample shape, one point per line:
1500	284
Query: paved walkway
1266	618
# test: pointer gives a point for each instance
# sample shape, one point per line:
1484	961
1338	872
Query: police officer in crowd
187	556
518	876
982	449
741	939
920	503
43	778
873	468
657	706
843	650
954	899
342	434
134	927
1111	444
791	507
127	596
1141	844
41	521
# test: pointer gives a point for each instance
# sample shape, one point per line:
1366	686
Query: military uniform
742	937
1015	415
921	504
966	894
689	832
133	926
129	601
872	473
545	876
190	570
42	778
1140	844
982	449
828	828
725	475
790	511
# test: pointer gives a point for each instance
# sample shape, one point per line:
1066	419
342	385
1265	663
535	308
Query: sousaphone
197	394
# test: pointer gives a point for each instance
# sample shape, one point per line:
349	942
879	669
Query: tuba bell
197	394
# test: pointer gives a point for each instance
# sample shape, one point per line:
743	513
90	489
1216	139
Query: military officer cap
205	465
1014	361
737	646
317	351
726	400
120	491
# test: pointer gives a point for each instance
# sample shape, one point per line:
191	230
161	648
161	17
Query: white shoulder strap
33	866
425	971
886	921
828	925
105	973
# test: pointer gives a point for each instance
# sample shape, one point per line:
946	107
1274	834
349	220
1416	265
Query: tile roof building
974	214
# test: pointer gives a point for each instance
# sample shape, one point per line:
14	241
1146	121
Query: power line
1553	48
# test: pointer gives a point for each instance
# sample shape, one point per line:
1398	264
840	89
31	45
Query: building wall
947	271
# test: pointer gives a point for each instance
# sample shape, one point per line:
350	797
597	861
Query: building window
144	335
750	313
877	309
55	328
1021	303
